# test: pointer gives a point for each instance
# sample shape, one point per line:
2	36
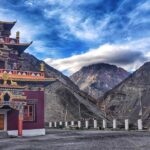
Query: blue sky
70	34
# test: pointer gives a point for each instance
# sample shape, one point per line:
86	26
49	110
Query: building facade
21	91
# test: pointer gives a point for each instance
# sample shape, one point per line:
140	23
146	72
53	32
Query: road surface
80	140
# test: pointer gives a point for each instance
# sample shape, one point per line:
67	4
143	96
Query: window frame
32	119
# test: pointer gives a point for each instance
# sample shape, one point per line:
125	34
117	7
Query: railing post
50	124
72	123
86	124
95	124
55	124
126	124
114	124
79	124
140	124
104	124
66	124
60	123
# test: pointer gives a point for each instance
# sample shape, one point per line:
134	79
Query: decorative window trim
29	113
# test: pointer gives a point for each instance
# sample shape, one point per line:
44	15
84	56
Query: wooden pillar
20	122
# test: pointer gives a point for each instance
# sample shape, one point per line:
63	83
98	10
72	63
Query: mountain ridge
96	79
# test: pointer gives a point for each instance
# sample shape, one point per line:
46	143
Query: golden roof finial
42	67
17	34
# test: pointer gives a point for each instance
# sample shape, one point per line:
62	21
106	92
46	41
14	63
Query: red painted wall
12	118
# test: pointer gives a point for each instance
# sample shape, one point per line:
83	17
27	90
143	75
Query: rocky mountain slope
63	99
97	79
131	98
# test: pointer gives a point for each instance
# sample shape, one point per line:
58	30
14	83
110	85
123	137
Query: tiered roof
8	44
20	47
12	43
8	25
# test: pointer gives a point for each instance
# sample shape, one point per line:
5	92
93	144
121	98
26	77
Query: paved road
80	140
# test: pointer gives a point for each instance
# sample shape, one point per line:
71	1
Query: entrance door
1	121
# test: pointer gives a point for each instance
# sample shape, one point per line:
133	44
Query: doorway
1	121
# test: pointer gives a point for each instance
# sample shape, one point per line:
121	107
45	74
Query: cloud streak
123	55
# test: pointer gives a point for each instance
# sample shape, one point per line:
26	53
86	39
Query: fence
98	124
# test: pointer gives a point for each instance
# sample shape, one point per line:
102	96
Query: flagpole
141	109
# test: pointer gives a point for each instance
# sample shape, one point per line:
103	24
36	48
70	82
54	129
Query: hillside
131	97
63	95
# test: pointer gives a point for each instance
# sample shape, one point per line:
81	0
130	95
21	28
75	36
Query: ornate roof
20	47
8	25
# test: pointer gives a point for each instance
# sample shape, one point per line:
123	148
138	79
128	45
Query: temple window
29	112
6	97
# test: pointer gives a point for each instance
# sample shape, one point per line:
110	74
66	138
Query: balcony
21	75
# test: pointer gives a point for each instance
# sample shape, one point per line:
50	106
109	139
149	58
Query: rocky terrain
97	79
131	98
63	99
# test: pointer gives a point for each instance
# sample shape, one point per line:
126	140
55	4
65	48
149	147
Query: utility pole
79	110
66	113
141	107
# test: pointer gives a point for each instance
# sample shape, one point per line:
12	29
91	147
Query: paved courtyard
80	140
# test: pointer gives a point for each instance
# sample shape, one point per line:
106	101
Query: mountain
130	98
63	99
97	79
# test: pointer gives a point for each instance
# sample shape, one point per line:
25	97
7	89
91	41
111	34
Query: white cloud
127	55
85	30
144	6
74	22
136	16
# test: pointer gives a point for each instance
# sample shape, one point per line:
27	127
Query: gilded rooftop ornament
42	67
